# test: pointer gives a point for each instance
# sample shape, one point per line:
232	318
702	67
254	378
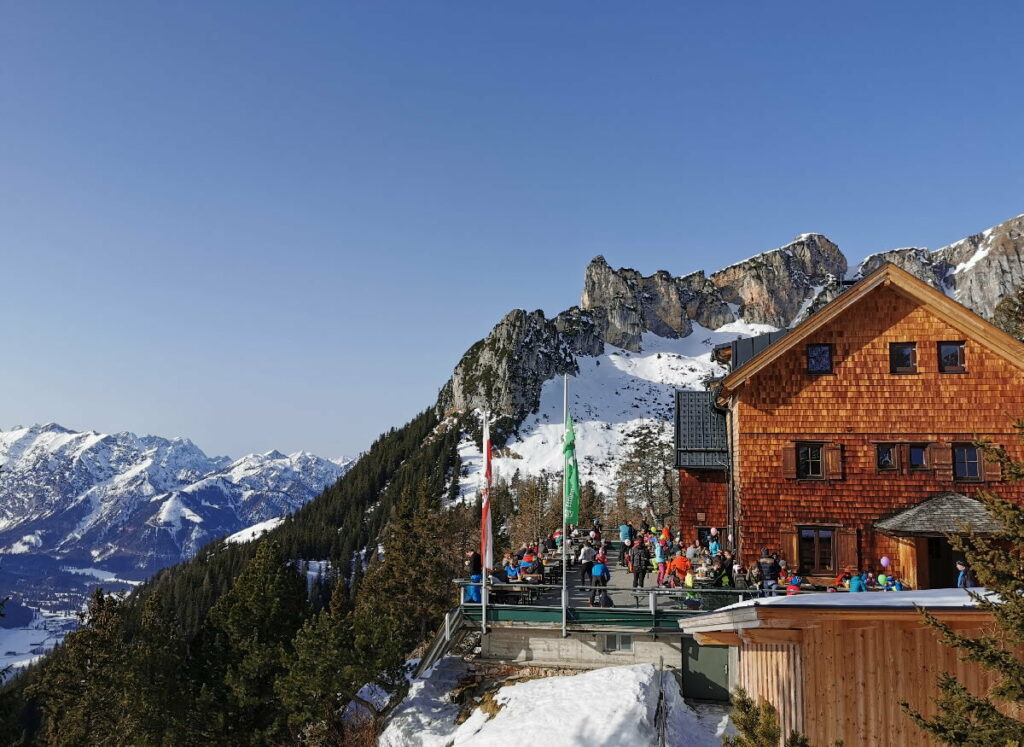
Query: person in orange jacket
678	568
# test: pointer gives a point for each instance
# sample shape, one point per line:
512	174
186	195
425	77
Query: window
966	462
809	465
819	358
903	357
618	642
917	456
886	457
951	357
817	549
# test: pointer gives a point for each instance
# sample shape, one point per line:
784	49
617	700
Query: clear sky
278	225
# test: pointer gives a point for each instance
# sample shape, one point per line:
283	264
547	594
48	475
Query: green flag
571	495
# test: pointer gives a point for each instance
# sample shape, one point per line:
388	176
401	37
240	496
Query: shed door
705	671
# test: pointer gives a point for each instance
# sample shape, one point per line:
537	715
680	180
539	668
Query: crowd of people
659	553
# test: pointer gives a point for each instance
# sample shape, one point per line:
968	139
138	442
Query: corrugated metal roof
701	441
945	513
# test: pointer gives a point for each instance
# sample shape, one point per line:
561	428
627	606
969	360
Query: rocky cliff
978	271
505	371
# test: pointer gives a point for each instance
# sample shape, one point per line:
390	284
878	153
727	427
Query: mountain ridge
128	503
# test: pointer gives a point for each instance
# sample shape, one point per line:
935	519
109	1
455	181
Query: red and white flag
486	535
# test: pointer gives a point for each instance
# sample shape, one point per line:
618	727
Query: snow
609	706
27	543
471	459
99	574
427	716
935	598
612	395
256	530
20	647
984	247
173	511
806	305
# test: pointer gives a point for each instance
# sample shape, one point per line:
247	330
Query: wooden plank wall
846	682
774	672
860	404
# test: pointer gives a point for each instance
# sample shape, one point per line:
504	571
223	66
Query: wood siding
845	681
774	672
861	404
701	492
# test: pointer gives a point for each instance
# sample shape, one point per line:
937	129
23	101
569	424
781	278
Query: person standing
661	560
587	555
966	578
600	576
639	558
770	571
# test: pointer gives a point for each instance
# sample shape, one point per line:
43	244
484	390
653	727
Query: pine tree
757	725
154	667
966	718
81	694
325	672
250	630
646	476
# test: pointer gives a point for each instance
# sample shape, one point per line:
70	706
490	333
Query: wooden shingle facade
868	409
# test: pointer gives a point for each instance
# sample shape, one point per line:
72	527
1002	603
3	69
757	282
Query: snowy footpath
599	708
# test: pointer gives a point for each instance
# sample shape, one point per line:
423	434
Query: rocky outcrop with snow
131	503
978	271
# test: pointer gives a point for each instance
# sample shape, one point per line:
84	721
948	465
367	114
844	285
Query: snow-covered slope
612	394
601	708
134	504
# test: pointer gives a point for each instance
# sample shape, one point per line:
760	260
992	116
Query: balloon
713	531
882	579
885	561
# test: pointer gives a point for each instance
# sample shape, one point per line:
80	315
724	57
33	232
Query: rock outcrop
503	373
626	304
777	286
978	271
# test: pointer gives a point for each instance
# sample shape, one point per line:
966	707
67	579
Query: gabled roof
946	513
901	281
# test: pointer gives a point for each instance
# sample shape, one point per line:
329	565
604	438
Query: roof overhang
793	613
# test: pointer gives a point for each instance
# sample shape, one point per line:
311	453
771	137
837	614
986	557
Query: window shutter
991	471
789	461
834	461
788	547
940	457
846	549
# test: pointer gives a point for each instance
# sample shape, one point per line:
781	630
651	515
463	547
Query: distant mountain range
127	505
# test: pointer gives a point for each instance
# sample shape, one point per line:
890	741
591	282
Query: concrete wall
546	647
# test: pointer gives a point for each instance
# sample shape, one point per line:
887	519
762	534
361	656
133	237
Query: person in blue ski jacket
600	575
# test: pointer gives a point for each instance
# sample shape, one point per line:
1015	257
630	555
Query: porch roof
944	513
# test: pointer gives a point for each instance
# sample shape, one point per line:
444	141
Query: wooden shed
836	665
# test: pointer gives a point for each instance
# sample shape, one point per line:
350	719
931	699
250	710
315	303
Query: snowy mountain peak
138	503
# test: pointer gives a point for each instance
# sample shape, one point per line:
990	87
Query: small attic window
903	357
819	358
951	357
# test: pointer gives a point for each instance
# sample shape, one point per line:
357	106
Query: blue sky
278	225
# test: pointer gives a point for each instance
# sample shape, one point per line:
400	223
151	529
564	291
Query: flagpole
565	490
484	529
